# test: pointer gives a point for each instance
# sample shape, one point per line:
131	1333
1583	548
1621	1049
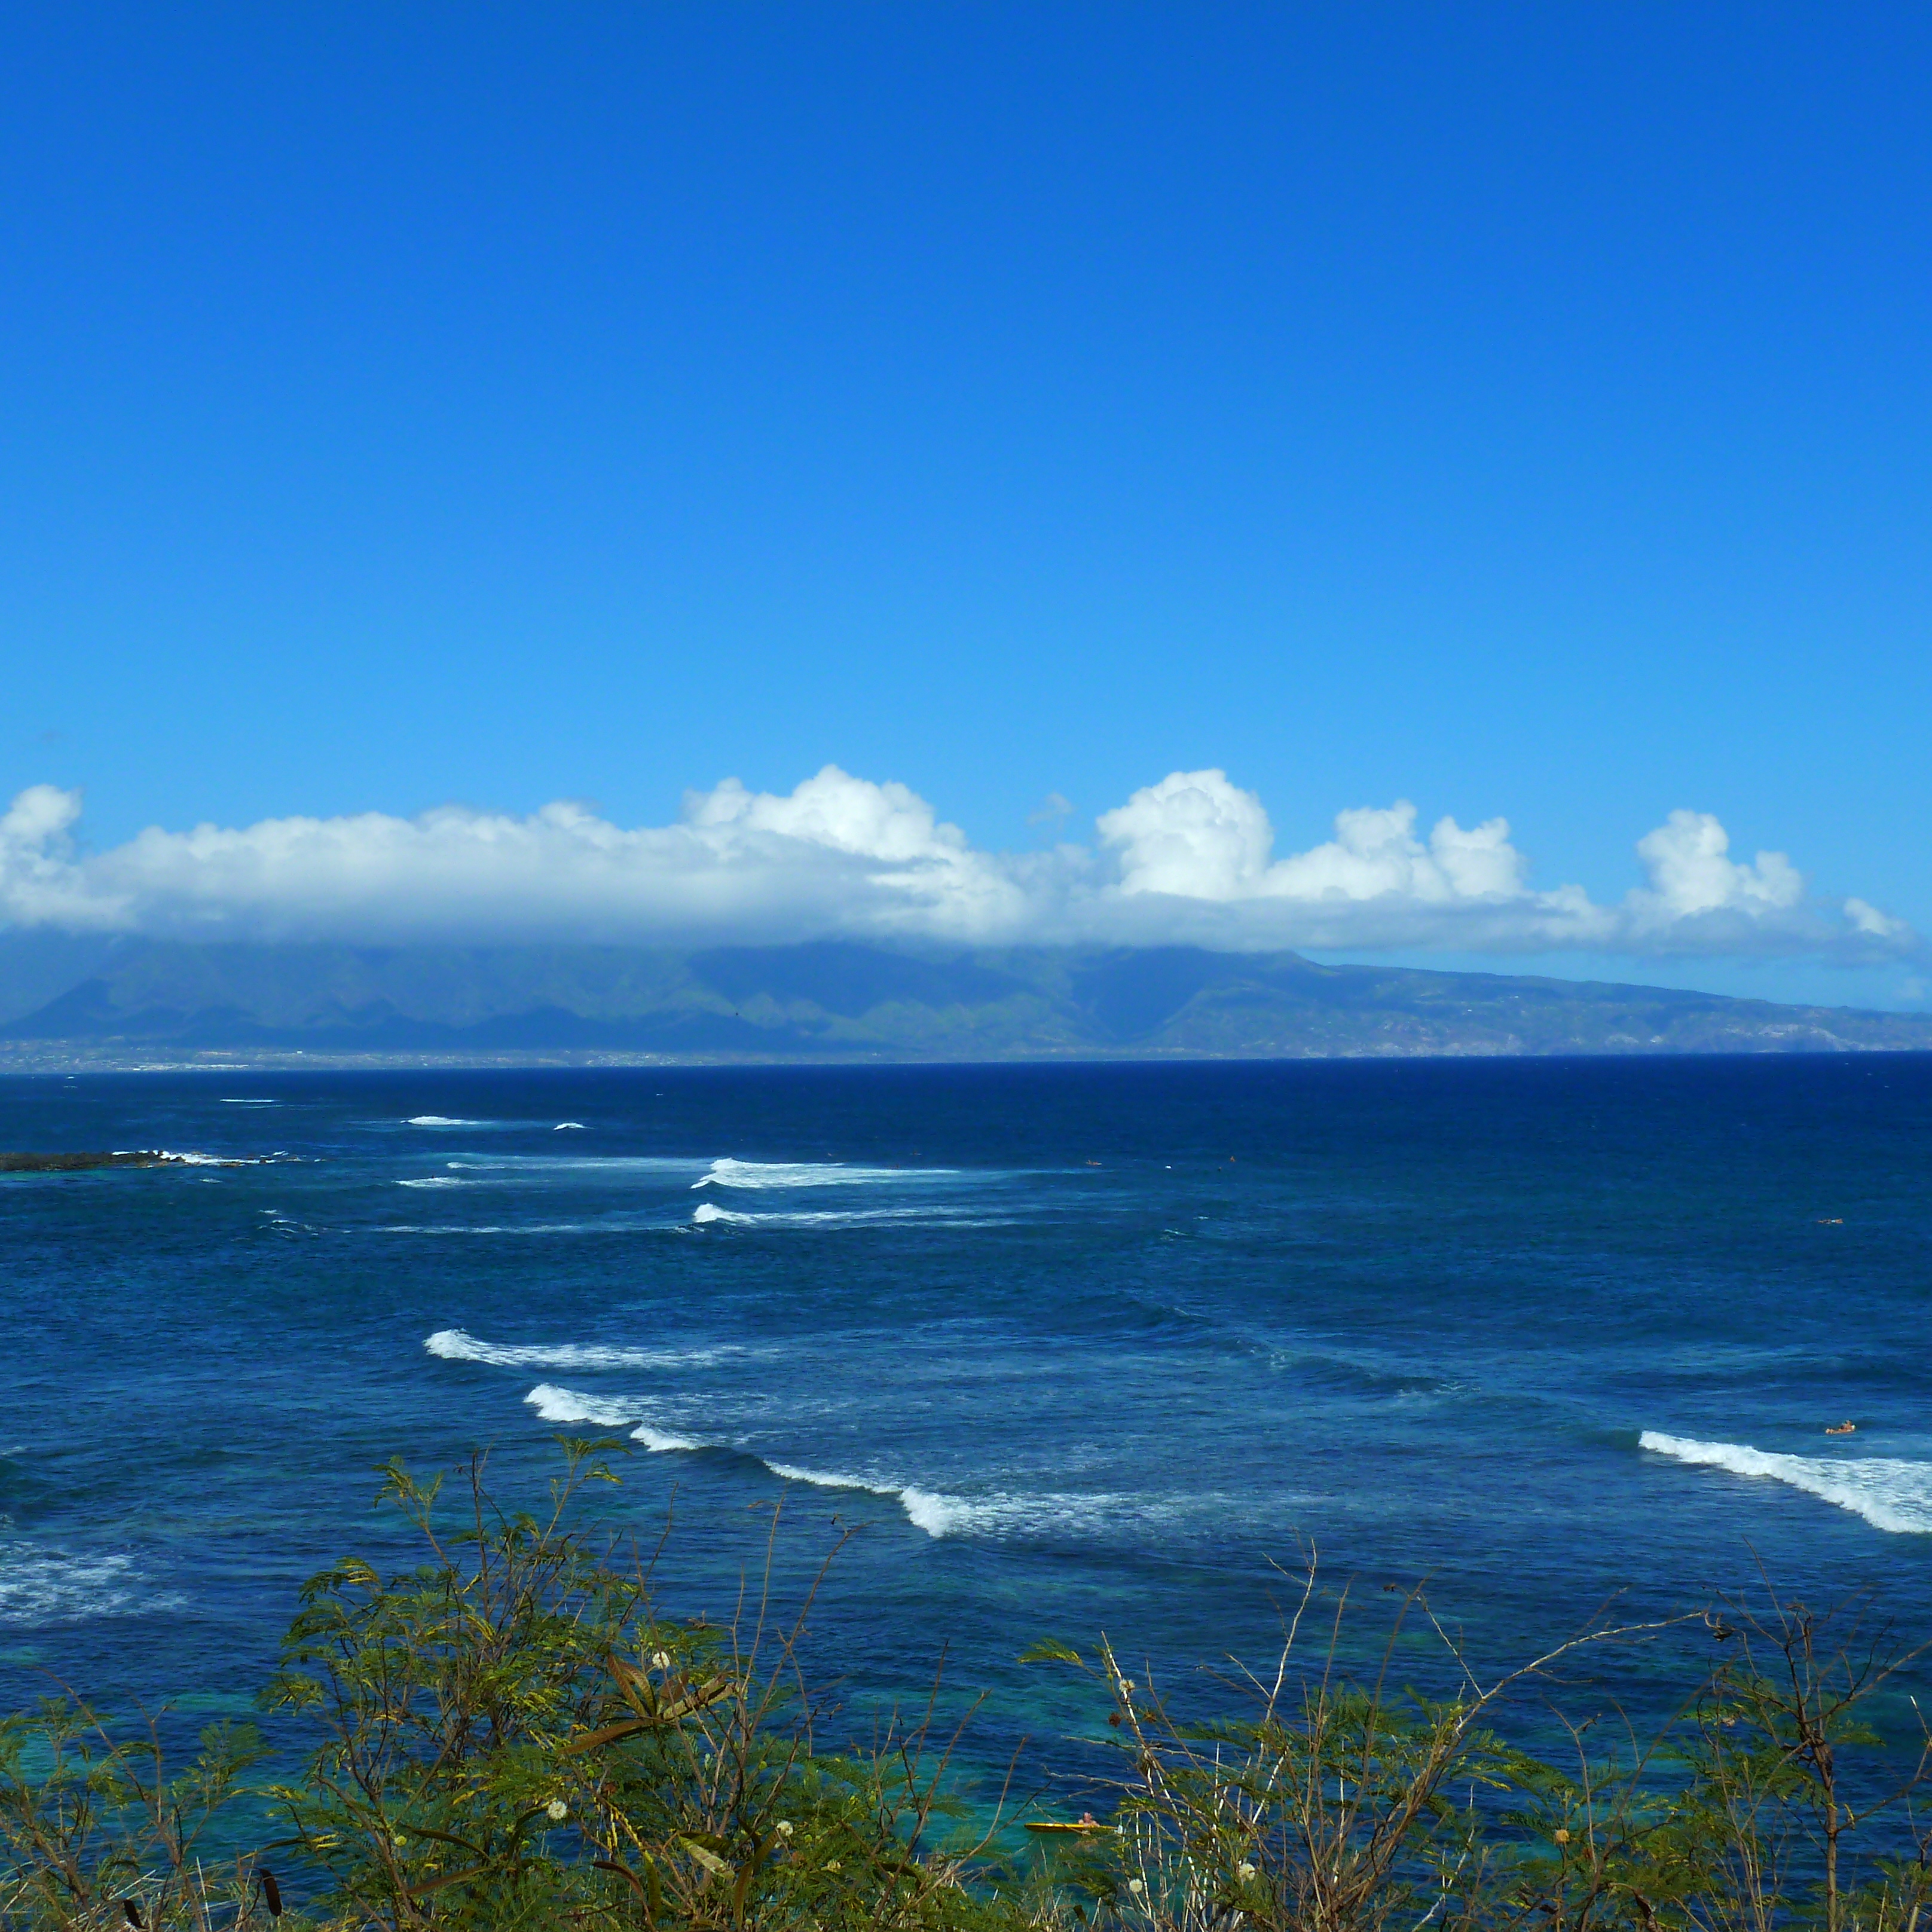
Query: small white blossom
785	1827
661	1659
1126	1687
1244	1870
556	1810
1135	1886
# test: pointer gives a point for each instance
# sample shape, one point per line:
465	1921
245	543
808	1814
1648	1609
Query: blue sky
1519	411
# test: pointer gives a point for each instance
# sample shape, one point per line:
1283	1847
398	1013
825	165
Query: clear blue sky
1520	410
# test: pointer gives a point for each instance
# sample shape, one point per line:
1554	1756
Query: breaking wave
440	1180
761	1174
940	1514
937	1514
562	1404
657	1440
443	1120
710	1212
1889	1492
454	1345
925	1509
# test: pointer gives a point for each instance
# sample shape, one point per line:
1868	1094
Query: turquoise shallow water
1073	1346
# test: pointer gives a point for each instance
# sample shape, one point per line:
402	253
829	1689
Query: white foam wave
440	1180
657	1441
454	1345
608	1225
814	1174
227	1102
414	1227
562	1404
193	1159
854	1217
539	1165
1891	1493
45	1586
822	1479
568	1127
441	1120
940	1514
937	1515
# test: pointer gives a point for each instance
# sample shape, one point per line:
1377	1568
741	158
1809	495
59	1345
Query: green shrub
95	1833
509	1735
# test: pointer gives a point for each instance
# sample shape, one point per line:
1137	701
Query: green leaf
1049	1650
708	1859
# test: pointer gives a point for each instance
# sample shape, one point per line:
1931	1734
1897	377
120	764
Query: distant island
108	1002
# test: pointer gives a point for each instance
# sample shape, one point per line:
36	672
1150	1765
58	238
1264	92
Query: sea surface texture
1072	1347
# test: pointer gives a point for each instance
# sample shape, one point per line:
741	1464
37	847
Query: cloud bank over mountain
1189	860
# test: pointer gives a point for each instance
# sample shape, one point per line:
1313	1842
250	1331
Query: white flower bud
1135	1886
1244	1870
783	1828
556	1810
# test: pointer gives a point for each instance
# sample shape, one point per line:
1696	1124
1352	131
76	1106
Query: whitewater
1889	1492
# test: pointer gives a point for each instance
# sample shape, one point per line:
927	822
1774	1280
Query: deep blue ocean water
1076	1347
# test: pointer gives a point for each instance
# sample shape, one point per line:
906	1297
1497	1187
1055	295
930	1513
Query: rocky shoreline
73	1163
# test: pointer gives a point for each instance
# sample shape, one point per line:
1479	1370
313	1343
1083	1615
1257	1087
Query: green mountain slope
834	1000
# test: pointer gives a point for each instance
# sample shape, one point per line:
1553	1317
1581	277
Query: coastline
40	1058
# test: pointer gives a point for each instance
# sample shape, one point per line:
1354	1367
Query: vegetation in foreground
509	1736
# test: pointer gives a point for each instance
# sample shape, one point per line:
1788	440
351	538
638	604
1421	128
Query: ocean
1070	1348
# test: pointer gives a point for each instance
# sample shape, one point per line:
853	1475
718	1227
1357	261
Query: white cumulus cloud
1190	859
1690	872
1197	836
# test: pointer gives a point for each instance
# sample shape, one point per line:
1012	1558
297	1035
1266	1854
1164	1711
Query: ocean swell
1889	1492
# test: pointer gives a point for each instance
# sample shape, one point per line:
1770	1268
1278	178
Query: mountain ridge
827	1000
